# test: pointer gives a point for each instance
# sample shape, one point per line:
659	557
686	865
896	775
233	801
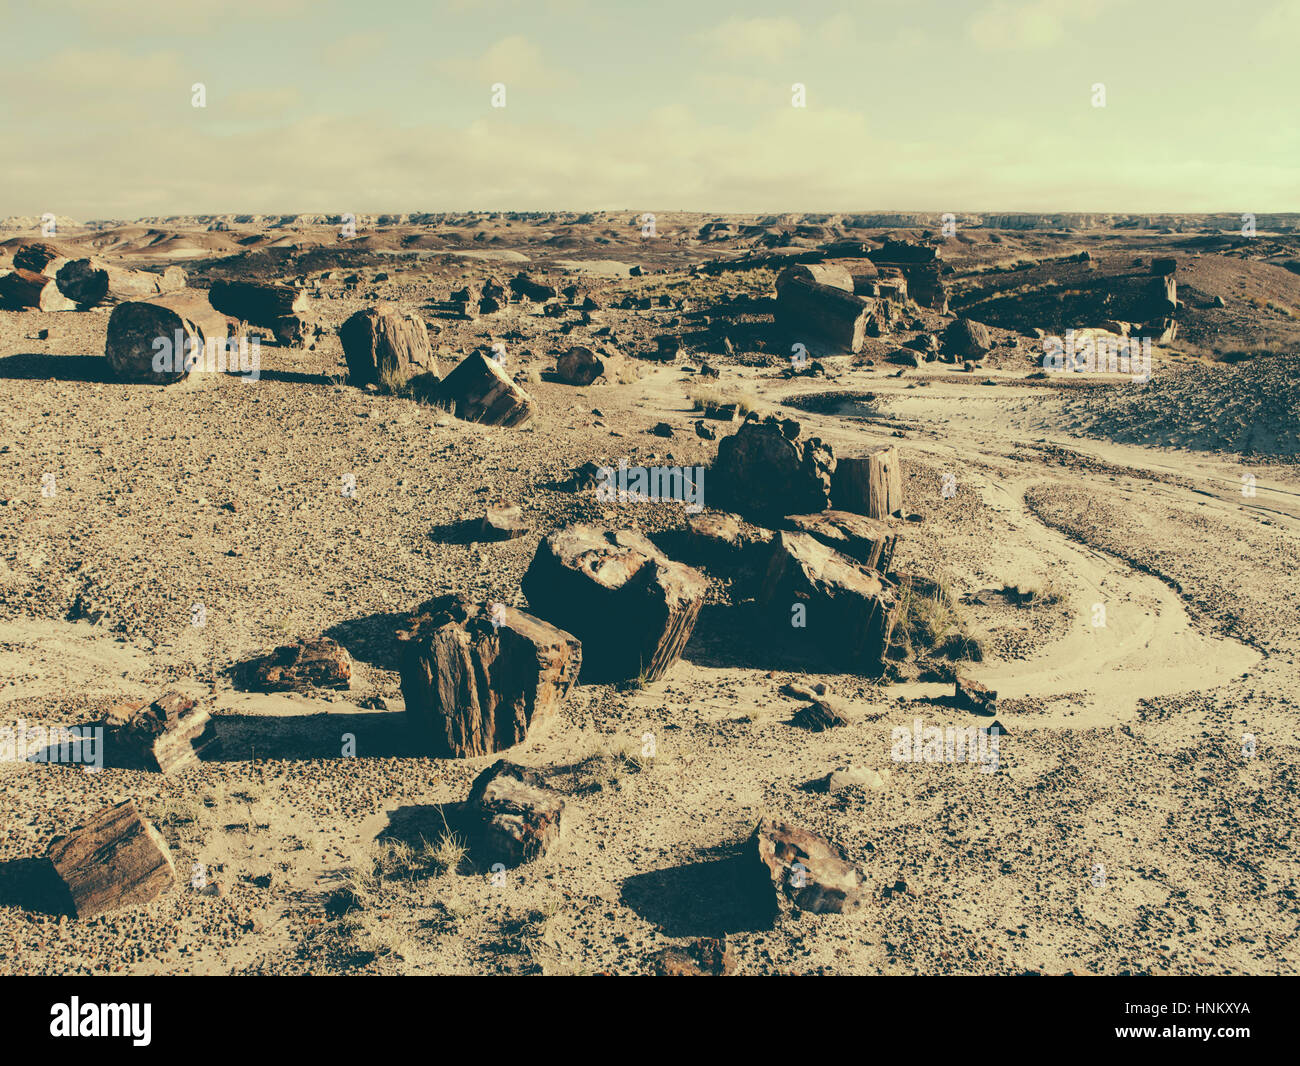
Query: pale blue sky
324	105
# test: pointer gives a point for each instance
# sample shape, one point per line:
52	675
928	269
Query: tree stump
871	486
766	469
476	679
519	816
381	344
114	860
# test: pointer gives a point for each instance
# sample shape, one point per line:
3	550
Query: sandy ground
1125	829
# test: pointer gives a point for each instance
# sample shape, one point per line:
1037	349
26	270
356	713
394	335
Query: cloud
130	18
1018	26
765	39
514	60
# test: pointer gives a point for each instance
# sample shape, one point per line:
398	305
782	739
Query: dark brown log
41	258
26	290
300	667
92	282
871	486
836	607
971	695
868	540
518	816
168	735
830	274
823	313
476	678
184	320
114	860
258	303
478	390
632	607
383	345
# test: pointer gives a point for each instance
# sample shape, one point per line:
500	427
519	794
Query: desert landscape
633	592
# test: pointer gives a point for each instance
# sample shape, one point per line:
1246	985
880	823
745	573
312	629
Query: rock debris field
522	593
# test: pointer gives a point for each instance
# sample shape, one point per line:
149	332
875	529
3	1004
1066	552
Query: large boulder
582	366
966	339
516	816
632	607
385	345
836	607
765	470
476	678
114	860
803	869
479	390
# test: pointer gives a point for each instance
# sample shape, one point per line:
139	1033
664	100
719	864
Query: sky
341	106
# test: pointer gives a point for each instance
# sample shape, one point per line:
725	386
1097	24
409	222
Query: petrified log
842	610
26	290
91	282
871	485
823	312
381	343
703	957
966	339
971	695
476	677
518	816
503	520
184	320
803	868
300	667
833	275
478	390
764	469
259	303
40	258
168	735
868	540
581	366
524	286
718	543
115	859
632	607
